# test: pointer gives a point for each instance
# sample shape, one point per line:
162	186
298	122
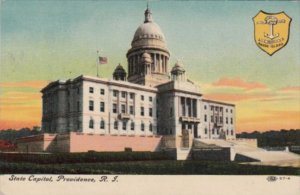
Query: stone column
166	64
133	65
165	68
195	107
186	107
179	106
159	62
163	63
192	108
127	103
137	64
128	67
118	101
154	65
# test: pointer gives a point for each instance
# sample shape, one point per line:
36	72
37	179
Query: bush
88	157
148	167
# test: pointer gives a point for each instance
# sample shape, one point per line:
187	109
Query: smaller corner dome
119	69
178	67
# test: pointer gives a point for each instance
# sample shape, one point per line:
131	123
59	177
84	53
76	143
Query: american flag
103	60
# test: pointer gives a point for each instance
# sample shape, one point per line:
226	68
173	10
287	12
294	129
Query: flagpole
97	64
97	70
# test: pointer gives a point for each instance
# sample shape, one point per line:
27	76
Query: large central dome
149	30
148	34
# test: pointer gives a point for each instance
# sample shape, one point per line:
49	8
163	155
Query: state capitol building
149	101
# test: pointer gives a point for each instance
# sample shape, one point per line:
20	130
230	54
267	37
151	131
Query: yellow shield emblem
271	31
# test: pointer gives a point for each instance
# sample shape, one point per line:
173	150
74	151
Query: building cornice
217	102
120	84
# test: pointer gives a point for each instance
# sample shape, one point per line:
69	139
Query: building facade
149	100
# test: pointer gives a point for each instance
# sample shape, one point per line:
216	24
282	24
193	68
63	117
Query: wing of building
150	100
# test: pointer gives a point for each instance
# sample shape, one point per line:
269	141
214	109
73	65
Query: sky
42	41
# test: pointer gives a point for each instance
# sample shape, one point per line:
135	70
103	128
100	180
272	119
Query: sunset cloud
27	84
238	83
290	88
236	97
272	120
19	98
19	108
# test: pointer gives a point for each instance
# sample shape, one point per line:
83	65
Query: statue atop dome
148	15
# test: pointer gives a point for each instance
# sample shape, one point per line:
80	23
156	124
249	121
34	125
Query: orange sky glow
257	107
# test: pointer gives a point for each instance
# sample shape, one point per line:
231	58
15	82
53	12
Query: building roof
217	102
119	83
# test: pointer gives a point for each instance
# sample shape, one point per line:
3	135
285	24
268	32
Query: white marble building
149	100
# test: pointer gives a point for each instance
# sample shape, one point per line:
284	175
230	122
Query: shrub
88	157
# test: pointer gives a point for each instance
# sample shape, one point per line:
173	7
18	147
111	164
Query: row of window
124	125
131	95
91	90
217	131
217	108
217	119
123	108
123	94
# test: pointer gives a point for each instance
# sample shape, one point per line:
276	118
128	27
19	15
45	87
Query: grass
164	167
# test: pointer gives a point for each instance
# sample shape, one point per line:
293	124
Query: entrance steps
183	154
243	151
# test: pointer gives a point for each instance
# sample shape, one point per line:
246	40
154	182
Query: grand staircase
243	151
183	154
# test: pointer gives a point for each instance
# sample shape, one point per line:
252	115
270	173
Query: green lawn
164	167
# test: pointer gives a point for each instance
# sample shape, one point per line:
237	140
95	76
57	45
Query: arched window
150	127
142	126
132	126
227	132
91	124
205	130
102	124
231	131
116	124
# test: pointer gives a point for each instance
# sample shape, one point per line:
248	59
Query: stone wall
211	154
252	142
37	143
86	142
79	142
